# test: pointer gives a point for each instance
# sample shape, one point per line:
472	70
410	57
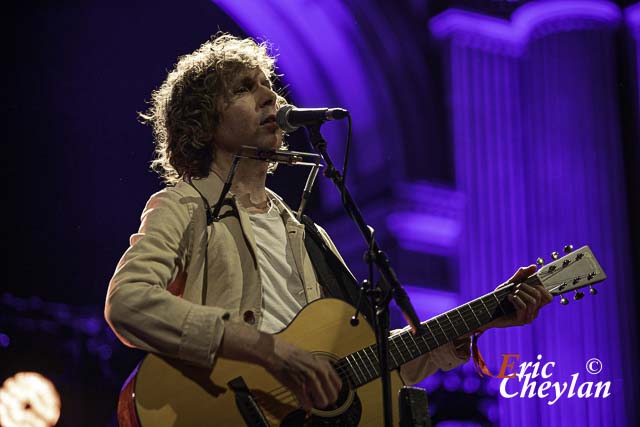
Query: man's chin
270	144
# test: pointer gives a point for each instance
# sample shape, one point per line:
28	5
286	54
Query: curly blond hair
184	110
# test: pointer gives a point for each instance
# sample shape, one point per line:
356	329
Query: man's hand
313	380
526	299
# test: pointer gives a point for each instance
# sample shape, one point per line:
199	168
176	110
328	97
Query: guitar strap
209	216
336	280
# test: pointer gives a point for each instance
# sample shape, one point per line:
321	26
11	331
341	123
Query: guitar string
449	326
423	345
445	323
289	398
445	319
450	322
344	371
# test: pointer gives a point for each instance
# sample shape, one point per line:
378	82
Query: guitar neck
363	366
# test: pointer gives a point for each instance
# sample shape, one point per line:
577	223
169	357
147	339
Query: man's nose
268	97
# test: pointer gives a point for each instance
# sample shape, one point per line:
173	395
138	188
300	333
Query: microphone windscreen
282	120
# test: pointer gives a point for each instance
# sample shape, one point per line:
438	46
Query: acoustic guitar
167	392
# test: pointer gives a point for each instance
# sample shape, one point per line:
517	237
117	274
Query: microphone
290	118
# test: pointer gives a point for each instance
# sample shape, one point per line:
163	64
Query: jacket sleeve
444	358
139	307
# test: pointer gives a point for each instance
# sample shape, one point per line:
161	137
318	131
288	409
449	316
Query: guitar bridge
246	404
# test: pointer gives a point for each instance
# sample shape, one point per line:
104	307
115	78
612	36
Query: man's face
248	118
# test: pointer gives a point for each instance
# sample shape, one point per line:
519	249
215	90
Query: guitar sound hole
346	412
343	396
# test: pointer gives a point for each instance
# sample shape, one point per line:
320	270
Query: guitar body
166	392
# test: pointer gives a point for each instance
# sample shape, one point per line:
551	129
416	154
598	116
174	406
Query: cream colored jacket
160	300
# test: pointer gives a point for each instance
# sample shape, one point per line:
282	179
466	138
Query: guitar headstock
575	270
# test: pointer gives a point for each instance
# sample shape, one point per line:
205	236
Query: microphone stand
306	193
379	296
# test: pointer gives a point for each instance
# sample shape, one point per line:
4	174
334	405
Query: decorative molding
532	20
632	16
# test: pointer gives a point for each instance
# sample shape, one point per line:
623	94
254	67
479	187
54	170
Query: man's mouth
268	119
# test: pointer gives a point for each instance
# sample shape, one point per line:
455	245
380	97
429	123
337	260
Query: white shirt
282	289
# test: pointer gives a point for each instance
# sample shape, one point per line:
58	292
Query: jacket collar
287	214
211	188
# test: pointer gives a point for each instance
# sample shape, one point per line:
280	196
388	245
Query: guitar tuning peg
554	255
540	262
563	300
568	249
592	290
578	295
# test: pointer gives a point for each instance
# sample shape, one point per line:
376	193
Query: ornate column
538	155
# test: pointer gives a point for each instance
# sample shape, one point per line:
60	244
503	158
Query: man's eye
242	89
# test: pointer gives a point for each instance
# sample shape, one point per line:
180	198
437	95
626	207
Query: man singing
194	291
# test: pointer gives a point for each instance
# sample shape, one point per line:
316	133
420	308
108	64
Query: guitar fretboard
363	366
